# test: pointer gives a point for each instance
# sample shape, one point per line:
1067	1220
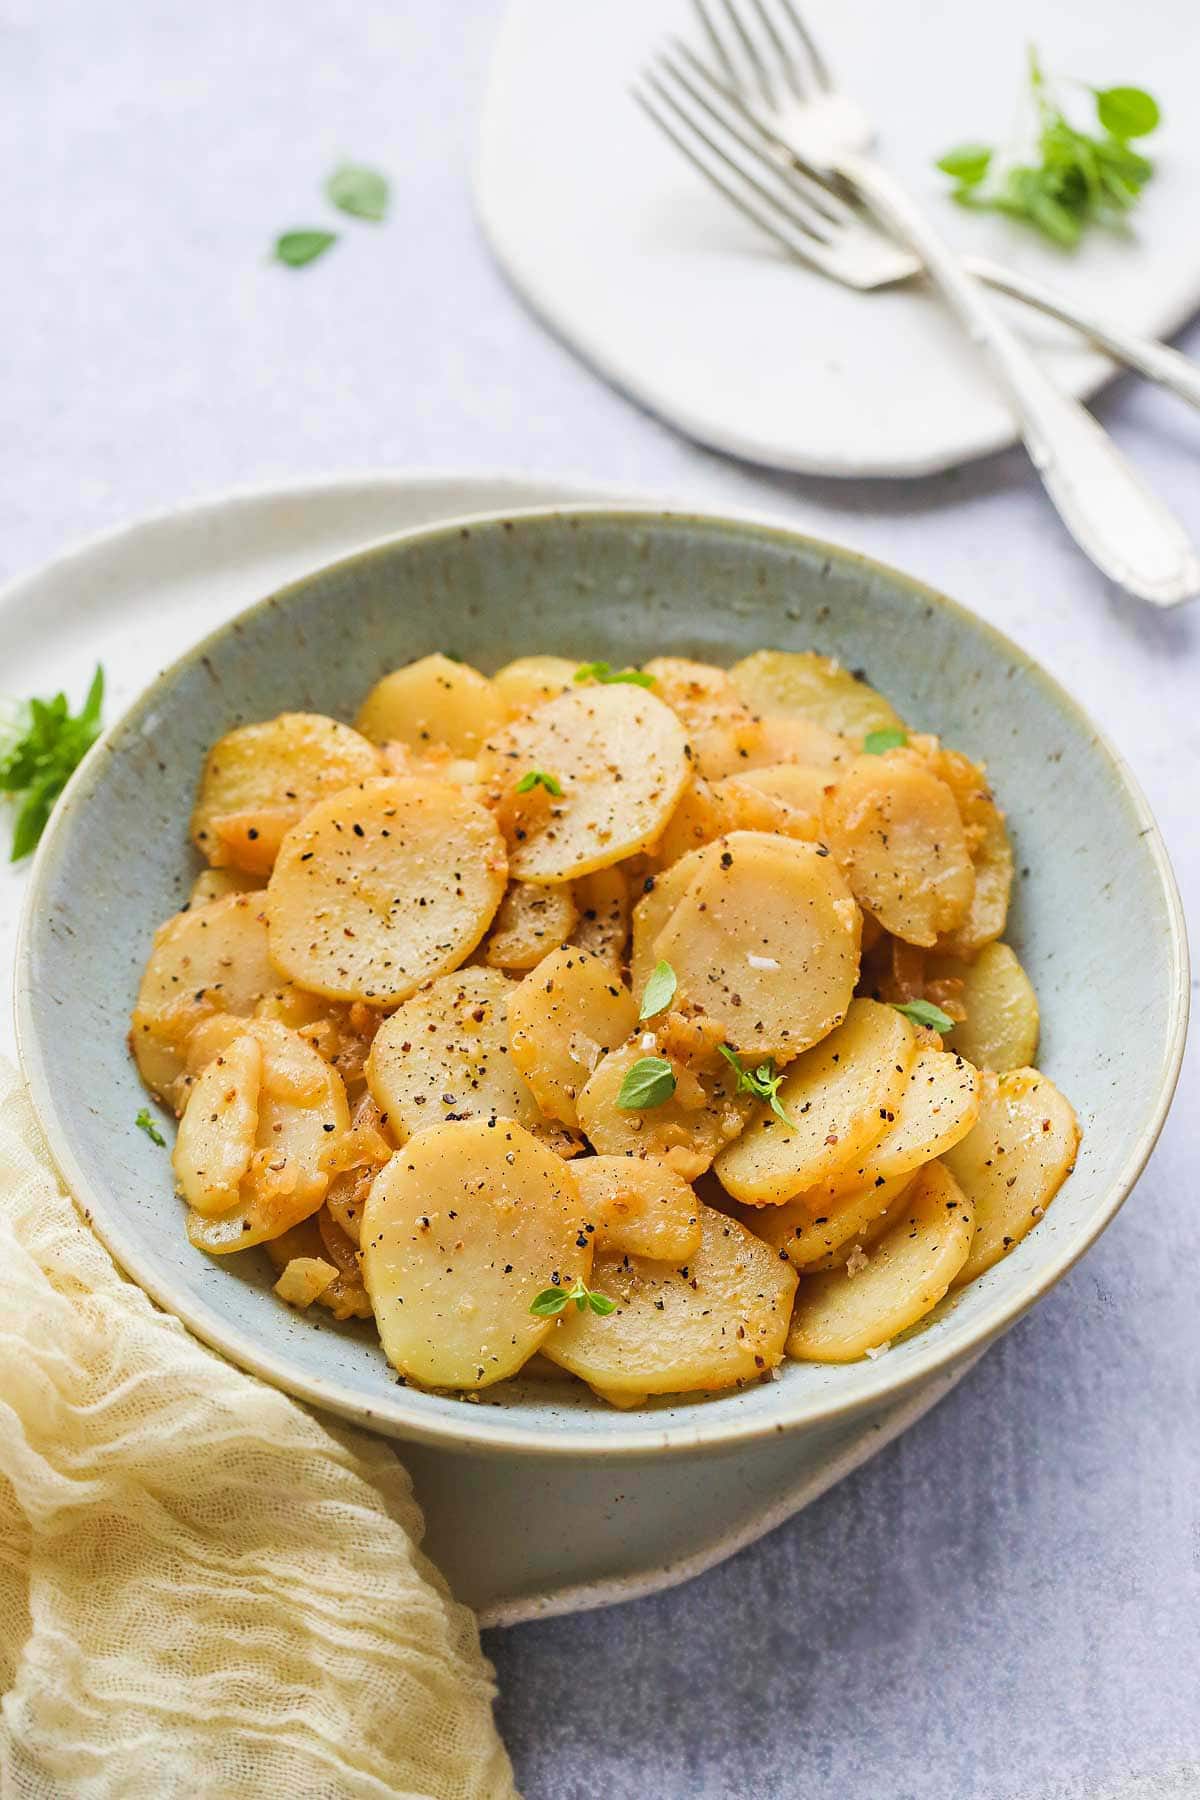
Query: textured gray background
1004	1606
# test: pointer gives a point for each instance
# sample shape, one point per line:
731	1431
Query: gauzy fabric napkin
203	1588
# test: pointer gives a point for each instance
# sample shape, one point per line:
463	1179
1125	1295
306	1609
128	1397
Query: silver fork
773	86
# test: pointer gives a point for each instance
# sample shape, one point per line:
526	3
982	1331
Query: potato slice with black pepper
462	1229
639	1207
563	1018
808	686
722	732
302	1110
701	1115
1014	1161
766	941
210	959
660	895
896	832
618	755
991	856
823	1241
710	1323
219	1128
532	921
1000	1030
604	905
430	703
839	1097
382	887
215	884
444	1055
260	780
840	1315
794	791
939	1106
532	680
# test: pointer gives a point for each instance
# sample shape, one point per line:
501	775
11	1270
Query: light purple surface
1006	1605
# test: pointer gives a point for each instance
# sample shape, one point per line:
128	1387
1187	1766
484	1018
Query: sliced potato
939	1106
301	1108
722	732
353	1163
796	791
992	857
1000	1030
824	1241
563	1018
1014	1162
211	959
618	754
444	1055
532	921
462	1229
765	940
895	830
801	684
219	1129
639	1207
260	780
383	886
429	703
717	1320
839	1096
603	903
660	895
801	743
686	1131
532	680
704	813
839	1316
215	884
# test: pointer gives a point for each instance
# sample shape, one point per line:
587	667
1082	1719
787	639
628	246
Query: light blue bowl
1096	917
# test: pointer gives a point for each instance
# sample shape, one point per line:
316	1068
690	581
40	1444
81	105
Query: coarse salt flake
761	962
879	1349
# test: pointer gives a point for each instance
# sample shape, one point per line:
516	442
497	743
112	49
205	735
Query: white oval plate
656	281
513	1542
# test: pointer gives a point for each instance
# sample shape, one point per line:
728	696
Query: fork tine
790	72
820	67
802	176
750	50
716	42
816	210
788	219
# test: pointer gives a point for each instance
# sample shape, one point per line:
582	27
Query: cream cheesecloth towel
203	1590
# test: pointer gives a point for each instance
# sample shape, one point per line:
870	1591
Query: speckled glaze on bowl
1096	916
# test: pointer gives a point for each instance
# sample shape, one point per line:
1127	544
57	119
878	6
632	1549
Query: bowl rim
492	1432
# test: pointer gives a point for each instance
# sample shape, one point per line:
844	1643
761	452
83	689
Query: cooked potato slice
463	1228
562	1019
219	1129
686	1131
722	732
824	1241
801	743
839	1096
1014	1162
618	754
383	886
992	858
639	1207
939	1106
704	813
212	959
1000	1030
839	1316
796	791
808	686
896	832
661	894
301	1109
215	884
429	703
716	1320
766	940
532	921
259	780
444	1055
532	680
603	903
297	1241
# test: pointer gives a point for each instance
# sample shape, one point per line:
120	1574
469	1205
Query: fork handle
1112	515
1150	358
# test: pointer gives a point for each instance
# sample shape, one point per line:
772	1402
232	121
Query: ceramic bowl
1095	918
